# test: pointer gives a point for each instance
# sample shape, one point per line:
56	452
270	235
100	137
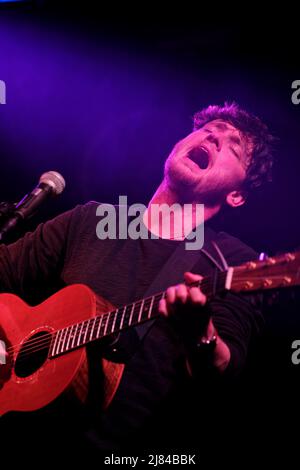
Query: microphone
51	183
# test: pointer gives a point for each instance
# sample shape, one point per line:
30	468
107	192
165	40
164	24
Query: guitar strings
138	303
44	342
35	345
40	344
83	331
31	345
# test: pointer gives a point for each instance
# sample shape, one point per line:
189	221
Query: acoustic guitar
45	344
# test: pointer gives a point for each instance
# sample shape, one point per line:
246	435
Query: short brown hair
259	170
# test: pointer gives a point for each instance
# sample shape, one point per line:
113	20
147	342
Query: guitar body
42	364
29	384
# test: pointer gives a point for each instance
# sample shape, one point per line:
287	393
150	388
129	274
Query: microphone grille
55	180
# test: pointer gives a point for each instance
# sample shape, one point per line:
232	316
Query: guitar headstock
272	273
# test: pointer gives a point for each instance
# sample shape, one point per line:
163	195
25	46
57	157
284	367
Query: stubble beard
189	189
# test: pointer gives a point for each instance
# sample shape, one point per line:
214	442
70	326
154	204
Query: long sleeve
31	267
238	317
239	320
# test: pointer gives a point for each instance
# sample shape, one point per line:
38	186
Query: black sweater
66	250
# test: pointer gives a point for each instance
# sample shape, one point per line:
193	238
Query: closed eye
235	152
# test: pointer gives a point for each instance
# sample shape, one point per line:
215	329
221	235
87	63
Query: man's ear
236	198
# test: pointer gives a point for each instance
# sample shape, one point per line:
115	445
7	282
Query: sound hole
33	354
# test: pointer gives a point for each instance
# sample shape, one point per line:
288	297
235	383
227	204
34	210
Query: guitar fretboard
95	328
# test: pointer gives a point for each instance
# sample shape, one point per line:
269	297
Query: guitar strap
180	261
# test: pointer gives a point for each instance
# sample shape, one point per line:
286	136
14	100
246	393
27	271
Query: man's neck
192	217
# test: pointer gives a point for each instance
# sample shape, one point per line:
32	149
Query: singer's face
209	163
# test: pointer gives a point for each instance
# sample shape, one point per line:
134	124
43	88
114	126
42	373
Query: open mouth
200	156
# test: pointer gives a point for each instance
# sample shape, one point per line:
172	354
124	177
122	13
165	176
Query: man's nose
215	139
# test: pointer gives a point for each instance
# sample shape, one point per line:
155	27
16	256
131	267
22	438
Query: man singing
227	155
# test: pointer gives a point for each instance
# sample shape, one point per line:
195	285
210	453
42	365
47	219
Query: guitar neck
133	314
277	272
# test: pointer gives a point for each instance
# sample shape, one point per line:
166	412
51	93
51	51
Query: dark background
102	94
